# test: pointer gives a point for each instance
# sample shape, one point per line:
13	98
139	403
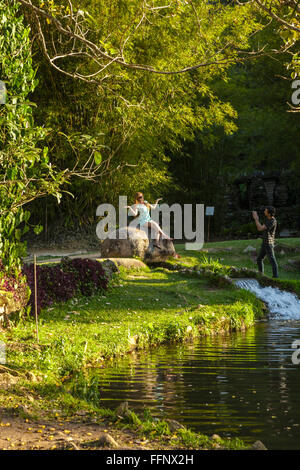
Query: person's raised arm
134	211
154	206
260	227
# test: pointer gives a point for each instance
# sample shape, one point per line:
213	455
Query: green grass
142	308
230	253
148	306
150	427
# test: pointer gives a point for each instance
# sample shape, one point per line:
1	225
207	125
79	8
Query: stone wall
255	191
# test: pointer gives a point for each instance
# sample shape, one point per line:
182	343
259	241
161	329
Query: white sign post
209	211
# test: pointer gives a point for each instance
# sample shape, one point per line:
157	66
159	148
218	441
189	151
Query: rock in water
122	409
129	242
258	445
174	425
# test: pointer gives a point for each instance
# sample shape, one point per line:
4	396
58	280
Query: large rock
129	242
104	440
258	445
285	233
249	249
125	242
127	263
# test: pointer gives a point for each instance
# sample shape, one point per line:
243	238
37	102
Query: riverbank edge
223	275
204	323
158	434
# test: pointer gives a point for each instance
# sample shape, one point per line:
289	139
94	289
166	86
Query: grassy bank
231	253
142	308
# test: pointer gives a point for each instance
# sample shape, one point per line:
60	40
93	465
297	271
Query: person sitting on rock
268	234
141	208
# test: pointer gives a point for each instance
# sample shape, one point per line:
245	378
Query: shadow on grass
146	298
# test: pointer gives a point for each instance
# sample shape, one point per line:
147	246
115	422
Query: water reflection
242	385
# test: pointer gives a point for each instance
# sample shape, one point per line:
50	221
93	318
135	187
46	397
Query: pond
239	385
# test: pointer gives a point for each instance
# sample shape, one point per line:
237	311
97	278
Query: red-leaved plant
64	280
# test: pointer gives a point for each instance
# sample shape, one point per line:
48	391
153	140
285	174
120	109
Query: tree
285	14
265	138
77	26
25	170
133	115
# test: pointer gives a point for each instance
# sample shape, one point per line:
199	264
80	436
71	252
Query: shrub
14	292
89	274
65	280
213	265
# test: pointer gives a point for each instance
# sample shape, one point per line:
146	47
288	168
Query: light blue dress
144	214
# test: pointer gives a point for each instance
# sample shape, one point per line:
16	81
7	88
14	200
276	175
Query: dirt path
56	255
57	434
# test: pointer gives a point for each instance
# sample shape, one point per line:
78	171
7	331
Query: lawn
156	306
231	253
143	307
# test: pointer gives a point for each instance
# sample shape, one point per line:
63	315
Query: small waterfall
281	304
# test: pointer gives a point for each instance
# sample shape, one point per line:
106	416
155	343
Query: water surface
239	385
